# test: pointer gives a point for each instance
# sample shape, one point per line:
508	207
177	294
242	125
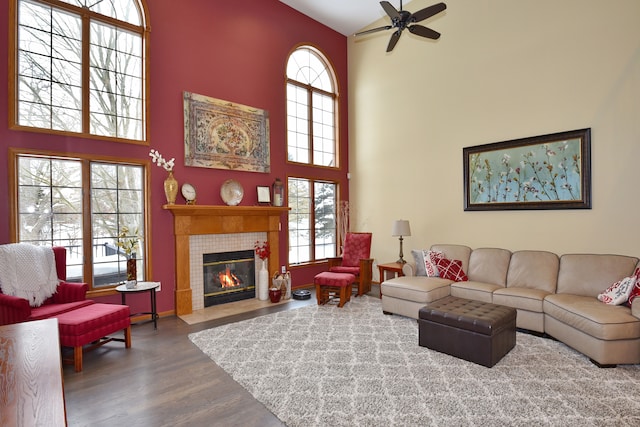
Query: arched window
79	66
311	140
311	109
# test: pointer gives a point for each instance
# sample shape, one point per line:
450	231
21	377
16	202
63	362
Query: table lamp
401	228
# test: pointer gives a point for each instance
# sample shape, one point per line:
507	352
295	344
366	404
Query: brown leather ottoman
475	331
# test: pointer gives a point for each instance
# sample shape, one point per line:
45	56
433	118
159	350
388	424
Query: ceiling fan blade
391	11
419	30
373	30
428	12
394	39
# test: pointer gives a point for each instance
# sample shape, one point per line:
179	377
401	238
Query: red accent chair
83	324
68	296
356	260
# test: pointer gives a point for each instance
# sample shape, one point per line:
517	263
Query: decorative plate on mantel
231	192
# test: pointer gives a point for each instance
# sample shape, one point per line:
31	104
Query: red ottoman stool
328	282
92	325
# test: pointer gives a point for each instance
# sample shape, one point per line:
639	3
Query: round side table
142	287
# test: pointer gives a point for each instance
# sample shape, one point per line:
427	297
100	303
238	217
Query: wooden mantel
191	220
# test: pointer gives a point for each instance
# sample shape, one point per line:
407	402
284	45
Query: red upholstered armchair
356	260
68	296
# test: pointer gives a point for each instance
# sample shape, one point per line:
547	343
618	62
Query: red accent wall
232	50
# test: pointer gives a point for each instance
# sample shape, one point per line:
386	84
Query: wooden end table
390	267
142	287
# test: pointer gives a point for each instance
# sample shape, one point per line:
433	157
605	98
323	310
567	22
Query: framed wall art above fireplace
223	135
541	172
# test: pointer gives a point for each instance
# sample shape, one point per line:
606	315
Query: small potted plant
129	245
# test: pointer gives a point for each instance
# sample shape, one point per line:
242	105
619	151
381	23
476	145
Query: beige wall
502	70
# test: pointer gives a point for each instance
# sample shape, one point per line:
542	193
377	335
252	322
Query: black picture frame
264	195
541	172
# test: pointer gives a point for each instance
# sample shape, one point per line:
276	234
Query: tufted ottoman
475	331
328	282
91	325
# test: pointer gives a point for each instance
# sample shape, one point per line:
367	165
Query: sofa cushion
53	310
589	274
521	298
419	289
473	290
587	314
489	265
451	269
533	270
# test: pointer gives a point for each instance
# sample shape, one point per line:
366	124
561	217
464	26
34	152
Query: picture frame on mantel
541	172
264	195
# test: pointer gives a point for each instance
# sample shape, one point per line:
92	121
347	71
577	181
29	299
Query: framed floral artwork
541	172
223	135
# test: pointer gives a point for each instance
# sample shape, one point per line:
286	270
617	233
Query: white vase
263	282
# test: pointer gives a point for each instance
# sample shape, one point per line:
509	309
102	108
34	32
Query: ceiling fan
401	19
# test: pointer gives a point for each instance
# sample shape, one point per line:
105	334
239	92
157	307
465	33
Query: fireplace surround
196	220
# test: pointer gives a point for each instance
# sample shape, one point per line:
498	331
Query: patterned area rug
326	366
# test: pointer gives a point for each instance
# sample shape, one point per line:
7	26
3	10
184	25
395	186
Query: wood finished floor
163	380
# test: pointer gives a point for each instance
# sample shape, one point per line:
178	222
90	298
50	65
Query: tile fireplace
191	222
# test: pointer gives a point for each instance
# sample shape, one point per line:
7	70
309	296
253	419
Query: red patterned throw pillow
452	270
636	288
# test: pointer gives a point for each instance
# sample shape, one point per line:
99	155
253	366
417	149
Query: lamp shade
401	228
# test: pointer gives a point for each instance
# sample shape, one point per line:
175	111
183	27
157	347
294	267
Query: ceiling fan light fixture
401	19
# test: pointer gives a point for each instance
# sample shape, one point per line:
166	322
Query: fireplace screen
228	276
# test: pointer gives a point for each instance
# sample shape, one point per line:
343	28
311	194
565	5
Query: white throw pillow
431	259
619	292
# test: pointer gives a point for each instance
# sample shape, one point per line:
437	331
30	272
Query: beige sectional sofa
553	295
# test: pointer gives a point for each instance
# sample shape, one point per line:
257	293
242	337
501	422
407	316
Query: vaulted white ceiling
344	16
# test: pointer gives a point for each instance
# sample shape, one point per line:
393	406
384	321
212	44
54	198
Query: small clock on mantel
189	193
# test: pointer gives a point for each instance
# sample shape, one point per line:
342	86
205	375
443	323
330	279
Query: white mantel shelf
190	220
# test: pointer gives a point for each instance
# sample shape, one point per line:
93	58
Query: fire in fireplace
228	276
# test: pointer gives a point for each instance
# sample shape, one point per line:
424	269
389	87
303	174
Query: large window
80	67
311	109
311	141
51	210
312	220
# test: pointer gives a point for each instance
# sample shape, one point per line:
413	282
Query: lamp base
401	261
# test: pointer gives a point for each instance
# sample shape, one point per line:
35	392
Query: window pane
312	220
315	142
116	83
325	219
299	220
49	200
117	205
49	72
50	212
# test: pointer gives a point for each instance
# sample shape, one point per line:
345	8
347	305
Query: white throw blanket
28	271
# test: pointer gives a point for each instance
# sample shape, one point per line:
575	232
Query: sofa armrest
408	269
13	309
70	292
